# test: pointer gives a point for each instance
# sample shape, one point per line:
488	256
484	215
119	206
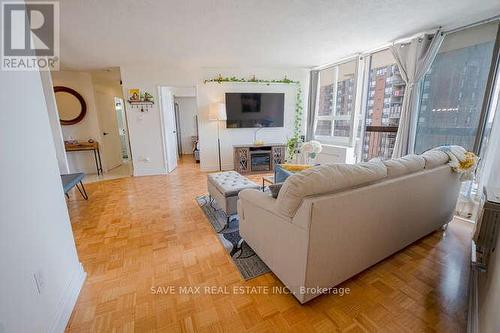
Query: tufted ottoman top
229	183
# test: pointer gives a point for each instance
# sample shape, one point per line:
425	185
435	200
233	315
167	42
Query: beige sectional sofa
331	222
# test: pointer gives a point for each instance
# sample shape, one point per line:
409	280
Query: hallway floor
124	170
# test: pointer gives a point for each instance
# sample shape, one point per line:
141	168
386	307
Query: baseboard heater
483	245
487	227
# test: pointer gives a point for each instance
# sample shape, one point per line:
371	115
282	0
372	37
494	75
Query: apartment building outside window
383	106
335	107
450	108
453	90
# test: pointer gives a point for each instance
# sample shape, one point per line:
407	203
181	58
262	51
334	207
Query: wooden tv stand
258	158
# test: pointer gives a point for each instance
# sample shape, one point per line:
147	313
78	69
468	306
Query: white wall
489	282
187	122
491	176
86	129
489	294
35	230
145	128
55	124
208	93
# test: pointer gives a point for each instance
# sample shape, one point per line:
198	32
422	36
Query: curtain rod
386	46
471	25
337	63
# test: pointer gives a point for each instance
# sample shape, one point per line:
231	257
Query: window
452	92
383	106
335	106
450	105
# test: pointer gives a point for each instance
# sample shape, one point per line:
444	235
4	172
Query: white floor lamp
217	112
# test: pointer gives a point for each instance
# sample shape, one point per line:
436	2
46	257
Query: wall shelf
143	105
141	102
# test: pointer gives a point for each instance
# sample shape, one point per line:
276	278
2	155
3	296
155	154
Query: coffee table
267	179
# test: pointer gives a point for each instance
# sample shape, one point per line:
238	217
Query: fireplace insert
260	161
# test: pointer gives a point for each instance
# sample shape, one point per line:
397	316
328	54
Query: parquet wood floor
142	232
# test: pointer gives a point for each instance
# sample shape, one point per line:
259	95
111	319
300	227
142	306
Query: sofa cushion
326	179
435	158
404	165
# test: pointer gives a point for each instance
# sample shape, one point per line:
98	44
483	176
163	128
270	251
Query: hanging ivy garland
293	142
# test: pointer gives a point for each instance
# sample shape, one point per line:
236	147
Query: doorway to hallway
178	112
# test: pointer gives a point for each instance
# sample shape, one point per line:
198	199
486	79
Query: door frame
177	91
103	145
125	120
163	123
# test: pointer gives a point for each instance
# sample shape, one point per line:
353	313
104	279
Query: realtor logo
30	38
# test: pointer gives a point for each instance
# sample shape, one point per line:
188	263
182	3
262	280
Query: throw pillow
275	189
295	167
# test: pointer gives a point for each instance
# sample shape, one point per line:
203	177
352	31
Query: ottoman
223	187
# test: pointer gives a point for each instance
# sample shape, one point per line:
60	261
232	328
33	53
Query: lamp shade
217	111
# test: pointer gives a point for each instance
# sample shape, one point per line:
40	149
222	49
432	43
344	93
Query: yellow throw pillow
295	167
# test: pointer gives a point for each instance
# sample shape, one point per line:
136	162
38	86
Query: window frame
364	104
488	93
332	139
361	89
485	104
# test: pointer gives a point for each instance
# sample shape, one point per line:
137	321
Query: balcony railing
379	142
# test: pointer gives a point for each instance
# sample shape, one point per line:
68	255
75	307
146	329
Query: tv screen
255	110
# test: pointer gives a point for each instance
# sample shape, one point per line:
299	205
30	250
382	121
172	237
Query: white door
111	145
169	132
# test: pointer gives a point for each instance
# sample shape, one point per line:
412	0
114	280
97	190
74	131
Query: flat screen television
246	110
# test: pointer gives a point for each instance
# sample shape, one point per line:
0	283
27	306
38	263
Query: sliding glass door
385	92
453	91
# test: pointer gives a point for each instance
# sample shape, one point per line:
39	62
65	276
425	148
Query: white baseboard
68	301
459	218
473	307
212	168
148	172
227	167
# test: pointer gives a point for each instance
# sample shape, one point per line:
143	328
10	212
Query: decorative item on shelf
71	141
221	79
144	100
310	150
295	140
148	97
259	142
134	95
255	141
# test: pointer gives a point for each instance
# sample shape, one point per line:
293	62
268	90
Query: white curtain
311	109
414	58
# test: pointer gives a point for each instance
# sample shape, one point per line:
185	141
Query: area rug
246	260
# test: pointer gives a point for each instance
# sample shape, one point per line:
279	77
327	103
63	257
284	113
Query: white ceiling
253	33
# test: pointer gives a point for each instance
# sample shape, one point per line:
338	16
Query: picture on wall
134	94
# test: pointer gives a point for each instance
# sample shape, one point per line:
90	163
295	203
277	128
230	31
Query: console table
87	146
258	158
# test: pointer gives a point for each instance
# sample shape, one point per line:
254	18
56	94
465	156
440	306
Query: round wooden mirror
70	105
